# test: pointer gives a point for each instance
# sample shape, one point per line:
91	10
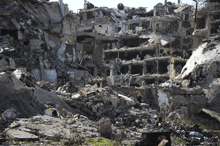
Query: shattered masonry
134	46
127	74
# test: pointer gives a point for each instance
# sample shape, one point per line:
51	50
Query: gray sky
78	4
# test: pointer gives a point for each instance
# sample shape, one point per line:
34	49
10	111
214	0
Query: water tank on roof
159	4
121	6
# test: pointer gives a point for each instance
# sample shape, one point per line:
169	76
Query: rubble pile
199	77
134	76
126	126
101	101
46	128
38	36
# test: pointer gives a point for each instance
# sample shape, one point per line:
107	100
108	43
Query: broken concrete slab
62	9
162	98
13	83
129	101
9	114
211	113
50	75
67	27
37	97
16	24
20	36
21	135
35	44
43	97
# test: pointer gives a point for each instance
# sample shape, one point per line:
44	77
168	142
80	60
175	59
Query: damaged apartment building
132	46
207	21
40	37
124	46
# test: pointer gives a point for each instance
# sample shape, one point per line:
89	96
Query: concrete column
129	69
172	70
208	25
155	11
165	2
157	66
111	72
144	69
74	55
100	83
41	67
95	73
180	26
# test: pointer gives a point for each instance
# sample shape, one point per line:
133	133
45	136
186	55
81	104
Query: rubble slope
202	69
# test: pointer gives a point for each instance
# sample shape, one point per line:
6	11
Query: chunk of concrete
163	42
7	64
162	98
212	114
130	102
20	36
185	83
51	112
53	11
50	75
3	63
49	43
66	27
114	101
35	43
16	24
37	75
62	49
62	9
21	135
61	57
43	96
29	22
104	127
9	114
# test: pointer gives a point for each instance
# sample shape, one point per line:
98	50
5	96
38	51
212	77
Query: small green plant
178	140
191	122
202	126
51	141
12	143
101	142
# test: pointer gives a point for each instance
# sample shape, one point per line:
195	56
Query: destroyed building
134	76
136	47
43	34
207	21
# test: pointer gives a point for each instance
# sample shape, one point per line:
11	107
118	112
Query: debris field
109	76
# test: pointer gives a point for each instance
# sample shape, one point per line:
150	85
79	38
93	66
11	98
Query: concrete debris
105	128
9	114
212	114
52	128
21	135
134	76
99	101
